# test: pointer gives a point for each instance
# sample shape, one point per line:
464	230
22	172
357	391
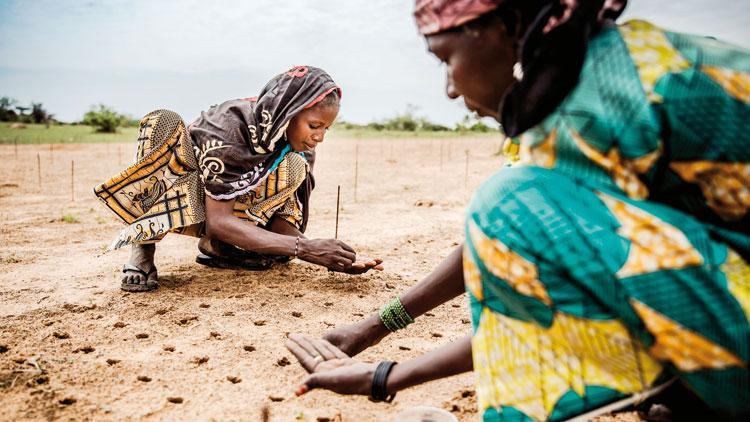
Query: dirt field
75	346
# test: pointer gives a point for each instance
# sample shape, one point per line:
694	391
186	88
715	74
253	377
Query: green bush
104	119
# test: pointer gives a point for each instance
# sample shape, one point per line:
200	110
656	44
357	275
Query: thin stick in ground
72	180
39	170
356	170
338	198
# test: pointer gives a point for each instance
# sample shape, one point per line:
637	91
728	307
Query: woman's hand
335	255
330	368
330	253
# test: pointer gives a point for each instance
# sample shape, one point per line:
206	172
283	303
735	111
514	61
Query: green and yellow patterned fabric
613	255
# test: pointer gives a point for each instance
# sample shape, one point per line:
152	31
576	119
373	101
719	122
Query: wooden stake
338	198
39	170
356	170
16	146
72	178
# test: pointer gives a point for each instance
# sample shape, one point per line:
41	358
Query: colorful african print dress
614	255
163	191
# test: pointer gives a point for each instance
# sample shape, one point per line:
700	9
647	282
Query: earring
518	71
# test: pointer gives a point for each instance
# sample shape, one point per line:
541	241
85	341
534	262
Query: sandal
252	263
224	255
149	285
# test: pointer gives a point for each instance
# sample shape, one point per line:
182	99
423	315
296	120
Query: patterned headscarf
435	16
551	53
240	142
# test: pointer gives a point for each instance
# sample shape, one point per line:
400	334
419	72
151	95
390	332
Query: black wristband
379	390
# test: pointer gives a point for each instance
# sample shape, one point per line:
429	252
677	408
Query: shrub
104	119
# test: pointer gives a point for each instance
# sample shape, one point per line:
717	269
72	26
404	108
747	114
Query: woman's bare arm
441	285
445	361
344	375
221	224
333	254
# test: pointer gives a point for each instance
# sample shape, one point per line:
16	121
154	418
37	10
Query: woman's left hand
329	367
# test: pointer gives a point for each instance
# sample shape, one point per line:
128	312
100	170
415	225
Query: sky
141	55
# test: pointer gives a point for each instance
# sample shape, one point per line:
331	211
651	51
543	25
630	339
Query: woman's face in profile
308	128
479	65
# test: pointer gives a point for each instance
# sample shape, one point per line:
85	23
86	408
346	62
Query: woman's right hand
330	253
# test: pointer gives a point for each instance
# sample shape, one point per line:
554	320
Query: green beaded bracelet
394	316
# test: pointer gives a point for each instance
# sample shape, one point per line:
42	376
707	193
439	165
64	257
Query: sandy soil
74	346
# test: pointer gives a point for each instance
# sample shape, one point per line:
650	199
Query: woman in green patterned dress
612	257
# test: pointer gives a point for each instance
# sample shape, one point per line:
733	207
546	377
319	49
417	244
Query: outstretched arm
332	370
333	254
441	285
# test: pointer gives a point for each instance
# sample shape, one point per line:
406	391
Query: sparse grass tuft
69	218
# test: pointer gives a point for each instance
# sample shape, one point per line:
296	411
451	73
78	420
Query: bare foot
140	271
354	338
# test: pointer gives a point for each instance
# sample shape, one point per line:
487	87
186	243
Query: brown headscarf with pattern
240	142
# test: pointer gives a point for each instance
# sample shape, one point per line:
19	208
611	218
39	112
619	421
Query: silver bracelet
296	247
